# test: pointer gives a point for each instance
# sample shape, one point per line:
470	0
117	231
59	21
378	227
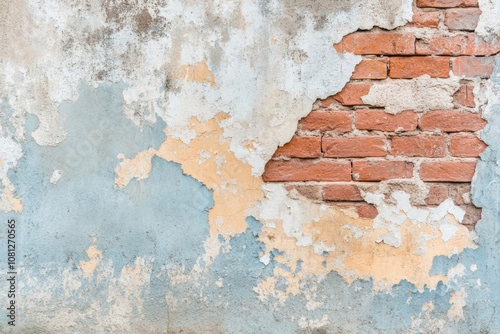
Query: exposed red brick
472	214
352	147
447	171
381	170
338	121
474	66
371	69
419	146
451	121
462	194
301	147
466	146
462	18
465	96
307	190
307	170
412	67
341	192
382	121
352	92
457	45
377	44
447	3
424	20
437	194
367	211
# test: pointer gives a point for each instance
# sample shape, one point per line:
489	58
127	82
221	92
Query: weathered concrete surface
134	135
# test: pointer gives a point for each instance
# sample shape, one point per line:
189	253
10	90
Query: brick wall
344	146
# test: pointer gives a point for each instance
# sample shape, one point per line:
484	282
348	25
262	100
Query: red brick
457	45
341	192
367	211
381	170
301	147
447	3
377	44
352	93
424	20
307	170
437	194
371	69
307	190
466	146
354	147
412	67
338	121
382	121
451	121
474	66
472	214
447	171
419	146
462	194
462	18
465	96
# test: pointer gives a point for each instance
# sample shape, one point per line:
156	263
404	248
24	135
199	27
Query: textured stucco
133	139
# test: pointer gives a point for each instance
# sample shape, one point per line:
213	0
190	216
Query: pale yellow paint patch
208	159
9	202
364	257
87	268
234	188
137	167
457	301
198	72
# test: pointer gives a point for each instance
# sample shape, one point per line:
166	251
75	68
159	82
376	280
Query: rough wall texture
140	160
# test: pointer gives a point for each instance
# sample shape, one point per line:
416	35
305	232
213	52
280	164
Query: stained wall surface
281	166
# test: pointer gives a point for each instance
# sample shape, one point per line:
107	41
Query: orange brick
462	18
338	121
419	146
367	211
424	20
377	44
352	93
465	96
341	192
307	170
474	66
301	147
447	3
472	215
447	171
354	147
437	194
371	69
381	170
382	121
457	45
412	67
466	146
451	121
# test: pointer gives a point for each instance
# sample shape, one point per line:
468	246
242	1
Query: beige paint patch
137	167
208	159
87	268
457	300
363	256
9	202
198	72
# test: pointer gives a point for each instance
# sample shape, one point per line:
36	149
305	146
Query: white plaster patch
420	94
489	25
56	175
